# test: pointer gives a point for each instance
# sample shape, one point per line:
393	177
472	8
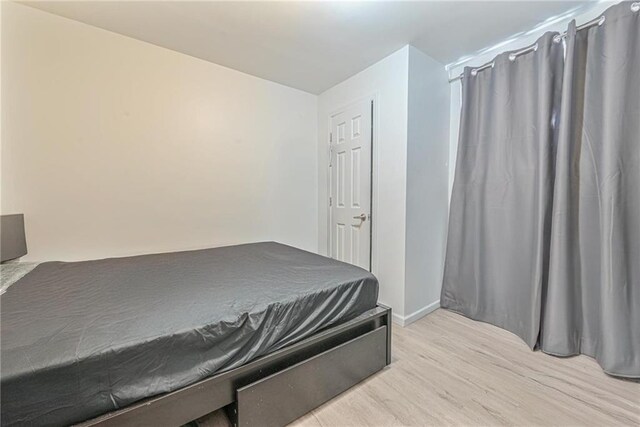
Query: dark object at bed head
12	240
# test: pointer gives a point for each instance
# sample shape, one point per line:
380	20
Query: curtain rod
597	21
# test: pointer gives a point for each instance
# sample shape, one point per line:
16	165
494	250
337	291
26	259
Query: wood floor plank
448	370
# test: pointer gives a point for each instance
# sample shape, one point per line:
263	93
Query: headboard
13	243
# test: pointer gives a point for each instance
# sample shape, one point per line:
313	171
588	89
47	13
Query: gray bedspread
81	339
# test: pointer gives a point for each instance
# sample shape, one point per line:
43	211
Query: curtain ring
635	6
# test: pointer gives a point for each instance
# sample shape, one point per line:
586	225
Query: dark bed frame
279	387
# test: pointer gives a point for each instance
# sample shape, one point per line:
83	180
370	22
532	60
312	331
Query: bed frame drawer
280	398
294	379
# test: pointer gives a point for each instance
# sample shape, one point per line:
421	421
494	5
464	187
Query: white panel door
350	195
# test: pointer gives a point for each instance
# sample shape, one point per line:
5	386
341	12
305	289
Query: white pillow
11	272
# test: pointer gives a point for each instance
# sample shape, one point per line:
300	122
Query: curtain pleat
498	241
592	304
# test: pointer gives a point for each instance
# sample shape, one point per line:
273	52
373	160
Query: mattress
80	339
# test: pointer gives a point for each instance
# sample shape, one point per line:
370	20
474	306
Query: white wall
387	81
427	184
112	146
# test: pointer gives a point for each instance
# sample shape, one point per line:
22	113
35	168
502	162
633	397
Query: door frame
373	241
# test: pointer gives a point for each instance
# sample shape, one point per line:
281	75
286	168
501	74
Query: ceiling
311	45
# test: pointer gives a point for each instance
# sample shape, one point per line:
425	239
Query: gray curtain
592	304
500	215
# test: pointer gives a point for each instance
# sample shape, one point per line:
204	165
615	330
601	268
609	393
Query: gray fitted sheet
81	339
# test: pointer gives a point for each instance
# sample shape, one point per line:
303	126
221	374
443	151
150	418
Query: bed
163	339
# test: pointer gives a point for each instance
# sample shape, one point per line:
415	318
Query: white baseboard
409	319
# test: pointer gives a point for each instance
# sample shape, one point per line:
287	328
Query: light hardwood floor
449	370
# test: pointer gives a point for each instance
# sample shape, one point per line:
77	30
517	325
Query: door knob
361	217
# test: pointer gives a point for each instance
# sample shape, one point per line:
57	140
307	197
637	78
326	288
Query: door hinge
330	136
330	201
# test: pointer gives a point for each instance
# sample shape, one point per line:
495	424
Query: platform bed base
279	387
